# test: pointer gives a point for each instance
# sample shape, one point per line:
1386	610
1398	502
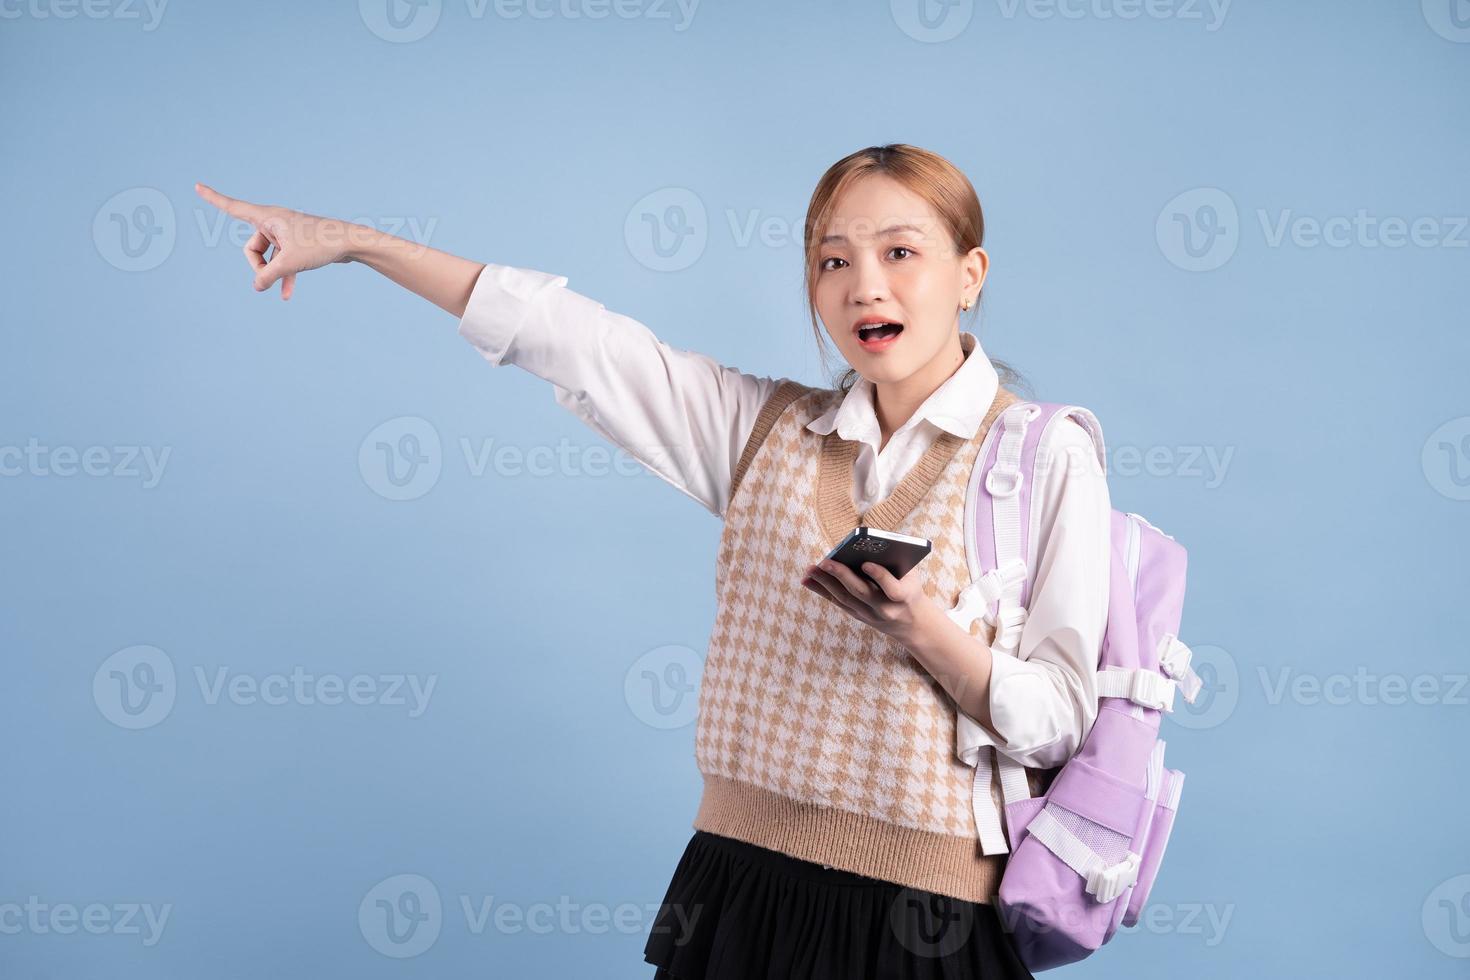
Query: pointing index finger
239	209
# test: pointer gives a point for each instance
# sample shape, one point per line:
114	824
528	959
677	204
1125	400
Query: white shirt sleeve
1043	699
683	416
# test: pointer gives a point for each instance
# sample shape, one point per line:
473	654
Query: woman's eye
826	264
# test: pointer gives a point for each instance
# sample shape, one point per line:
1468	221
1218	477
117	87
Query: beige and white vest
817	735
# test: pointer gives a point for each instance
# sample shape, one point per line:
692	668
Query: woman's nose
869	286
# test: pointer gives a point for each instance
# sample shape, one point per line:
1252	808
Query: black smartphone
898	553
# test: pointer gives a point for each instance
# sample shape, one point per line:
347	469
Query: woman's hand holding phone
892	605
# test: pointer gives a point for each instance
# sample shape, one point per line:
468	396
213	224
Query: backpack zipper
1134	544
1146	523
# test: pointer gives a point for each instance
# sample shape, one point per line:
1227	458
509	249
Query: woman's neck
895	402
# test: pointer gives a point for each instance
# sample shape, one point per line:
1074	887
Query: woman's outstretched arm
302	242
680	413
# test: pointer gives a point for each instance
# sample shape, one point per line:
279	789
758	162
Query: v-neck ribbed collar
959	407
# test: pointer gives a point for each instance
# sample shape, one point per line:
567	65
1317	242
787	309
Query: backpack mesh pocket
1107	844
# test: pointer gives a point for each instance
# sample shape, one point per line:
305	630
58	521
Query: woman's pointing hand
298	241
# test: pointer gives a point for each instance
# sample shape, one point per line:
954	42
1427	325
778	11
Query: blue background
1328	837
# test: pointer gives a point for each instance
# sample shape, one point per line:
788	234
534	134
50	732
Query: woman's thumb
266	275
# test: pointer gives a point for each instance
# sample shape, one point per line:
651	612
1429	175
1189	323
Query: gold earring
965	305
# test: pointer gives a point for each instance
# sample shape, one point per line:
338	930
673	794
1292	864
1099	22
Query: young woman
836	836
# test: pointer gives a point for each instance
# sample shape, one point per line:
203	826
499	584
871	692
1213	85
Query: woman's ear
976	265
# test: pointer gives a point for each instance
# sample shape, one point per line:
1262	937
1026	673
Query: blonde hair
927	174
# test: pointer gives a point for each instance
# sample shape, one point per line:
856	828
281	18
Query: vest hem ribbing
911	858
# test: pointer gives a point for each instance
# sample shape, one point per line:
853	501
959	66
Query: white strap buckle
1103	881
1107	883
1146	687
1174	659
1151	690
974	602
1008	628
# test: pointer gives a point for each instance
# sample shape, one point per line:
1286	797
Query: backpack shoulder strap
998	515
1004	483
1049	421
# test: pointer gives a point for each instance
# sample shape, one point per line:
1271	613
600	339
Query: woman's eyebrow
890	230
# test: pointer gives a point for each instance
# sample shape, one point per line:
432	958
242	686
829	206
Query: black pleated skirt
736	911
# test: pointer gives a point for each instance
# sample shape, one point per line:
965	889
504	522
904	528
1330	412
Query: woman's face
887	255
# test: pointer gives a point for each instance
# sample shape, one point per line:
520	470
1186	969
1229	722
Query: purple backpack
1084	855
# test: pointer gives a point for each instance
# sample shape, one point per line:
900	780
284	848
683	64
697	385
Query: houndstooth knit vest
817	735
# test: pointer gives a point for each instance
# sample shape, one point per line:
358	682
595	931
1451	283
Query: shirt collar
957	406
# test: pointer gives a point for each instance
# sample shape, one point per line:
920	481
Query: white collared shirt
686	418
957	406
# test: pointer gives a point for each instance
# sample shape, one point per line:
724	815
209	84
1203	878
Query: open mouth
877	335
